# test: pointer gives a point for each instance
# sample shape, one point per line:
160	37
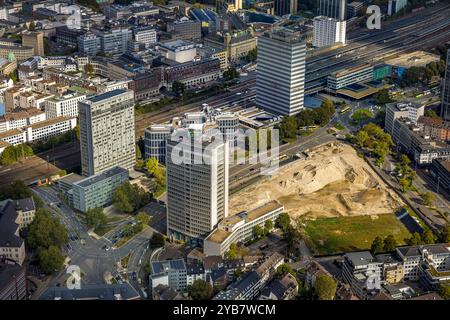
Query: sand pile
333	181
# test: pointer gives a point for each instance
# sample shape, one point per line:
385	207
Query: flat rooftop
106	95
413	59
100	177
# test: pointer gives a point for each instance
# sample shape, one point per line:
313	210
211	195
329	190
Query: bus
344	110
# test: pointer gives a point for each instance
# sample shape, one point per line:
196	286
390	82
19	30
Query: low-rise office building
346	77
238	228
171	273
98	190
396	110
63	106
155	138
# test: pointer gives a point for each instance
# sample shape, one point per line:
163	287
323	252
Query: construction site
333	181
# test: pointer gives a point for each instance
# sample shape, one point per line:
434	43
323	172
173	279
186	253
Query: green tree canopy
46	231
389	243
95	217
428	198
232	252
200	290
427	237
377	245
50	259
283	221
130	197
178	88
268	226
143	218
325	287
282	270
415	239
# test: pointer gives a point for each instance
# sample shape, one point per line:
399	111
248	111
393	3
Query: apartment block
107	132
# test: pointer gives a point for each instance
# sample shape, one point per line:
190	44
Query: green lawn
343	234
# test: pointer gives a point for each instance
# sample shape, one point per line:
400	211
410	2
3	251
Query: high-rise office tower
445	107
34	40
197	187
107	137
333	9
328	31
282	7
280	80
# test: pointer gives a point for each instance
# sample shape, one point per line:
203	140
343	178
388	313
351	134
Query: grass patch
339	126
124	261
343	234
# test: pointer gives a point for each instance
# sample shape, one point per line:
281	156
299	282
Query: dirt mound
332	181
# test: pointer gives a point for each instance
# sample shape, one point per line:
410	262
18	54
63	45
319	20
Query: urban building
145	35
179	50
236	44
34	40
197	183
63	106
193	73
283	7
171	273
354	9
49	128
280	79
107	136
445	104
21	53
333	9
238	228
14	216
21	119
363	273
155	138
328	31
395	110
13	284
185	29
285	288
114	41
89	44
395	6
68	36
349	76
437	129
250	286
97	191
440	171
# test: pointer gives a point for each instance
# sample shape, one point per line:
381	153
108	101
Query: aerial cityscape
215	150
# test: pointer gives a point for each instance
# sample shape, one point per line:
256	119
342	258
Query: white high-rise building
280	80
145	35
328	31
107	136
197	187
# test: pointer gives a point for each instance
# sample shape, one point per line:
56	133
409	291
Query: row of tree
46	236
415	75
373	139
129	198
12	154
289	126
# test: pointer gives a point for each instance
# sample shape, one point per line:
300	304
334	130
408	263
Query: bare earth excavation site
333	181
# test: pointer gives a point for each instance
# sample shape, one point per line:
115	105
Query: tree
428	198
325	287
445	234
252	55
230	74
268	226
283	221
291	236
50	259
130	197
389	243
232	252
8	156
157	240
431	114
46	231
377	245
258	232
427	237
362	115
15	190
178	88
138	152
415	239
88	69
143	218
282	270
95	217
32	26
444	291
200	290
152	166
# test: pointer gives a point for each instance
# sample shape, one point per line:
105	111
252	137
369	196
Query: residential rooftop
100	177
